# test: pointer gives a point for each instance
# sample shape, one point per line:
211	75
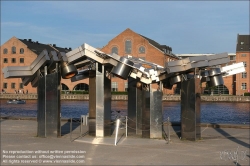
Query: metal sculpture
144	102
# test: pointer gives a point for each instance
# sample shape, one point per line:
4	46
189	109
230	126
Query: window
221	89
245	64
81	86
244	75
244	86
232	58
13	85
141	50
5	51
114	87
13	50
241	43
21	50
243	55
13	60
128	46
5	60
126	86
5	85
114	50
21	60
21	85
64	87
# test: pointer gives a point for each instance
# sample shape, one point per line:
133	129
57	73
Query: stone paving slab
223	146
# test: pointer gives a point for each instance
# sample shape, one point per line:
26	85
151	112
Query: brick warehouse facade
18	52
242	82
131	43
125	43
140	46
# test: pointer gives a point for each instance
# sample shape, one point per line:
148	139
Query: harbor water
211	112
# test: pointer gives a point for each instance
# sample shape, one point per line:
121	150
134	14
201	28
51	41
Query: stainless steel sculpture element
179	72
152	114
144	102
67	70
134	107
83	74
45	74
49	106
123	69
122	66
233	69
190	109
224	71
215	77
100	102
175	79
27	71
144	110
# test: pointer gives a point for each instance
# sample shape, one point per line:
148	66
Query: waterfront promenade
222	98
218	146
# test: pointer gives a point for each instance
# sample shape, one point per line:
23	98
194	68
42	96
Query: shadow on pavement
236	164
177	130
230	137
65	128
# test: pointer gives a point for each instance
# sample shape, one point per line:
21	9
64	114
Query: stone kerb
125	97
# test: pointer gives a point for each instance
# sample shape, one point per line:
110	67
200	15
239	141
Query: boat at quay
211	112
16	101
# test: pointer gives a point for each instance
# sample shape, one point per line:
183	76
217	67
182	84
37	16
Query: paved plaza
218	146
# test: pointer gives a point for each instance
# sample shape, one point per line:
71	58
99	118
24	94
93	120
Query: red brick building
242	81
22	52
131	43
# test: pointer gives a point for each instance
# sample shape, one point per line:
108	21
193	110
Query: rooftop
243	43
37	47
164	48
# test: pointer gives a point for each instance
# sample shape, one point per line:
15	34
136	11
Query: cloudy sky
186	26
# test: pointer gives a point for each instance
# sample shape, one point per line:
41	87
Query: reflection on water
211	112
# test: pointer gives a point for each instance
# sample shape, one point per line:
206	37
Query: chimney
37	42
25	39
30	40
54	45
70	48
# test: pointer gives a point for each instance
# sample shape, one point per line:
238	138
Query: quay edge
222	98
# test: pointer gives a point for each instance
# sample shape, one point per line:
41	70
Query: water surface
211	112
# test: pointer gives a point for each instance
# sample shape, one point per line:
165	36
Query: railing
120	121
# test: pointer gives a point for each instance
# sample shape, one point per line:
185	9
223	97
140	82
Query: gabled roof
37	47
164	48
243	42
